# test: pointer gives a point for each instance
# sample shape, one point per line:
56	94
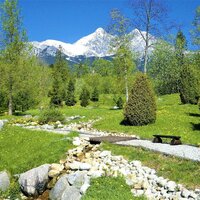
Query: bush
190	85
120	103
84	97
51	115
141	106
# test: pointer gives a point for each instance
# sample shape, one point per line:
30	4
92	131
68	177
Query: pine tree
70	99
180	47
60	74
84	97
141	106
95	95
190	85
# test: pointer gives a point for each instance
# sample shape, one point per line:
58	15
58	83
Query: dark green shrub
23	101
141	106
190	85
70	99
120	103
95	95
50	115
84	97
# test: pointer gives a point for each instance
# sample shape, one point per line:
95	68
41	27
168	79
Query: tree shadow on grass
195	127
194	114
124	123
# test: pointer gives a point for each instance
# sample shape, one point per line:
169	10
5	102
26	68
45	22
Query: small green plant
120	103
13	192
51	115
141	106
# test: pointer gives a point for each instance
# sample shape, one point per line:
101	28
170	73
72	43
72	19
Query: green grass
109	188
182	171
23	149
173	118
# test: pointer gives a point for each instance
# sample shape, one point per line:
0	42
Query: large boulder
59	188
70	186
34	181
4	181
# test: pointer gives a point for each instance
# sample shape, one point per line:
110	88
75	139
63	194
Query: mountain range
94	45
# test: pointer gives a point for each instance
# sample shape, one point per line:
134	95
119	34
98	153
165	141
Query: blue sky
69	20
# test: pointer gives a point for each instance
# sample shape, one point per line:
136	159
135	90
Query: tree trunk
10	103
126	85
145	59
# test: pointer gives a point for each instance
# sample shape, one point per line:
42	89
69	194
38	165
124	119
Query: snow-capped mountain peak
96	44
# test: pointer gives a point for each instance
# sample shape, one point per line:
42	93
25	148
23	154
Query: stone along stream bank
70	179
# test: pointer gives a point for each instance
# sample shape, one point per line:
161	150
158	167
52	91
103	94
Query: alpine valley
95	45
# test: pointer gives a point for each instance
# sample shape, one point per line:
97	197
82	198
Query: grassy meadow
23	149
173	118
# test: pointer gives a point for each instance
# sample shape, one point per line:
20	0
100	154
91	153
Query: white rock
171	186
53	173
58	167
74	166
77	141
105	154
136	163
185	193
4	181
84	166
84	188
96	174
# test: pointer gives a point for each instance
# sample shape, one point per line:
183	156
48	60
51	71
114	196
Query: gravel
182	151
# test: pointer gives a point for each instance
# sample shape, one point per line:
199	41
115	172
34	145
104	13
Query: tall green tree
180	47
196	31
141	106
95	95
164	69
60	73
12	47
84	97
102	67
190	84
70	98
121	45
124	65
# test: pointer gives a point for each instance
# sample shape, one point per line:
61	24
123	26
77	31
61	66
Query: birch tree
148	18
119	27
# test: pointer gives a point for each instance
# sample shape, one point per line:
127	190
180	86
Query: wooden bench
175	139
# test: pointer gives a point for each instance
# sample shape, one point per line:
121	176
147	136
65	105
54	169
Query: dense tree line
27	83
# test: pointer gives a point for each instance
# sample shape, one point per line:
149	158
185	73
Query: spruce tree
180	47
95	95
84	97
141	106
70	98
60	74
190	85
